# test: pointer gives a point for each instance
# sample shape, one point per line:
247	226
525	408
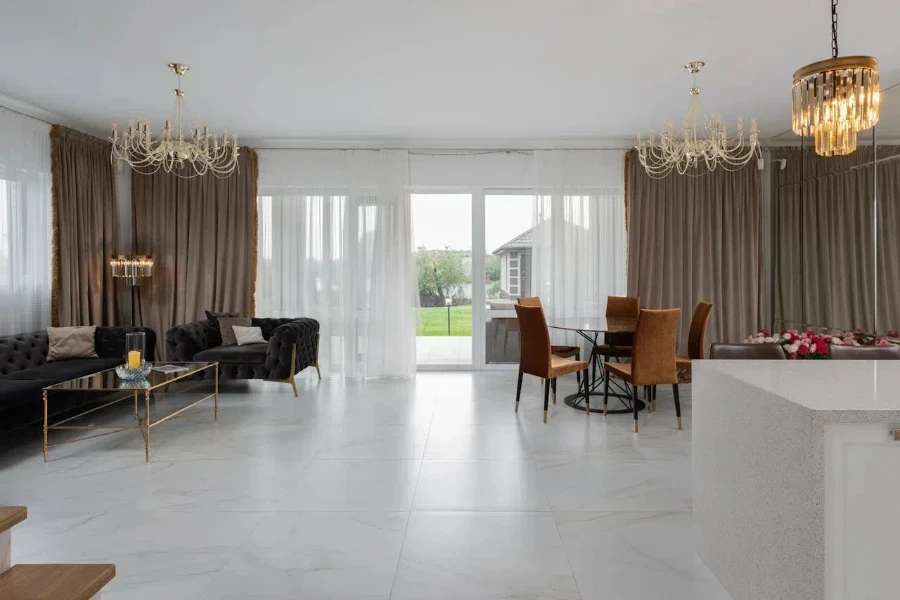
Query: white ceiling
415	70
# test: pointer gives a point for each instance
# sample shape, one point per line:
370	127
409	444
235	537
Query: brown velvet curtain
85	229
823	246
888	269
201	233
693	239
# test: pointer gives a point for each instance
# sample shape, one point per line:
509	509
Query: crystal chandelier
170	152
689	150
835	99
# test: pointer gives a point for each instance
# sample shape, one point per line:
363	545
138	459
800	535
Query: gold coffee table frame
102	382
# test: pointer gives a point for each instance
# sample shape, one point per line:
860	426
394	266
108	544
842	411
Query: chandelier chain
834	24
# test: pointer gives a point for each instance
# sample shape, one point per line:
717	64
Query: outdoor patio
443	350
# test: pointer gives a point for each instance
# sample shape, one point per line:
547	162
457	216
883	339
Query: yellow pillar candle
134	359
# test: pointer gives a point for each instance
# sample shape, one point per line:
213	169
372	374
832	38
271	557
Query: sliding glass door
442	234
508	224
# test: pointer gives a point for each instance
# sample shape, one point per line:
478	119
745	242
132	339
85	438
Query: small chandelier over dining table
701	145
832	100
170	152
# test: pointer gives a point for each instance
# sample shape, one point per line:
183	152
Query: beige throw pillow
226	324
248	335
71	342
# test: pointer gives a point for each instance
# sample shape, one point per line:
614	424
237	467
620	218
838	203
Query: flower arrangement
811	345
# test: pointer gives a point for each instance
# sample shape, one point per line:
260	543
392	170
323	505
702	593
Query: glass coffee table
106	382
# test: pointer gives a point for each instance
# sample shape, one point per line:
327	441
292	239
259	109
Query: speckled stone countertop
820	385
758	464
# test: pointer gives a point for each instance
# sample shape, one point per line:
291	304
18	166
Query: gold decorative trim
54	219
836	64
254	248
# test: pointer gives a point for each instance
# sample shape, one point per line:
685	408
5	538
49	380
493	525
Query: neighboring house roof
520	242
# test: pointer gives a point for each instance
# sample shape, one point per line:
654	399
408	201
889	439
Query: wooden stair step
54	582
11	515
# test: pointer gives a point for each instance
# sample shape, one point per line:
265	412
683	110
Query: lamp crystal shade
132	266
835	99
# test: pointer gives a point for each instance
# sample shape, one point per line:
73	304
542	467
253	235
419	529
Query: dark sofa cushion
247	354
15	392
64	370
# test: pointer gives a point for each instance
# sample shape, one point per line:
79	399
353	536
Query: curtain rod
18	112
452	152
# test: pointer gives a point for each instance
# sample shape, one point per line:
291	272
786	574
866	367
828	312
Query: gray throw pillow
71	342
226	324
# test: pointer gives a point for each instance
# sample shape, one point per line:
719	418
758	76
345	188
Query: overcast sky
441	220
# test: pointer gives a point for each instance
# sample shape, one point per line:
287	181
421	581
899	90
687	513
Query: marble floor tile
352	485
359	440
315	555
477	441
479	485
483	557
635	556
607	483
163	553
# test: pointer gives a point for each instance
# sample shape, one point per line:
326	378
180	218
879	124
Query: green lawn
433	321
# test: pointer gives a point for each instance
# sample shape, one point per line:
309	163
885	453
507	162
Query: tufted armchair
291	346
24	370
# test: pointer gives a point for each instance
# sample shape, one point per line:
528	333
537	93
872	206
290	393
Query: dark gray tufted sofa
291	346
24	370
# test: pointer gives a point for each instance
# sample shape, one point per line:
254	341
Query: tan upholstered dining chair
653	358
537	359
561	351
619	345
696	341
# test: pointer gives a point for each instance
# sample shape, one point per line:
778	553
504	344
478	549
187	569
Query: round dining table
590	329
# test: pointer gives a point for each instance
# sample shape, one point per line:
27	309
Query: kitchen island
796	477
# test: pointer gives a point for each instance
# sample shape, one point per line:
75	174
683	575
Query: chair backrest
697	334
623	306
746	352
653	356
532	301
626	307
865	352
534	341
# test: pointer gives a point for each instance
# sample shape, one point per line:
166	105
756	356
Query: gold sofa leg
290	378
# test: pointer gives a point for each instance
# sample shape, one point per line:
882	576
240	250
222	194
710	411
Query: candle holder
135	367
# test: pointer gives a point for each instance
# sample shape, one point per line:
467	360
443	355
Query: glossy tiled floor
424	489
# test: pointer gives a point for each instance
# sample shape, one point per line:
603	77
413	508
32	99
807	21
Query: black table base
577	401
619	401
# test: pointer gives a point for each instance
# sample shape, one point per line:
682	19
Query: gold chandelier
170	151
835	99
690	150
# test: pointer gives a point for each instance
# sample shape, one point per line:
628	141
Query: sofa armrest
300	333
184	341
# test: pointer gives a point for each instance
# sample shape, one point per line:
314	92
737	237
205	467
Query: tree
492	267
441	273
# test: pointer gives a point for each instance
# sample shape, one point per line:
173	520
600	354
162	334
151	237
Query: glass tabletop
108	380
594	324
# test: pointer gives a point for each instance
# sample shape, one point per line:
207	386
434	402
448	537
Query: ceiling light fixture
691	153
834	99
170	152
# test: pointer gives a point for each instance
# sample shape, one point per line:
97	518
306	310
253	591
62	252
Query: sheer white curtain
335	244
579	235
25	223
